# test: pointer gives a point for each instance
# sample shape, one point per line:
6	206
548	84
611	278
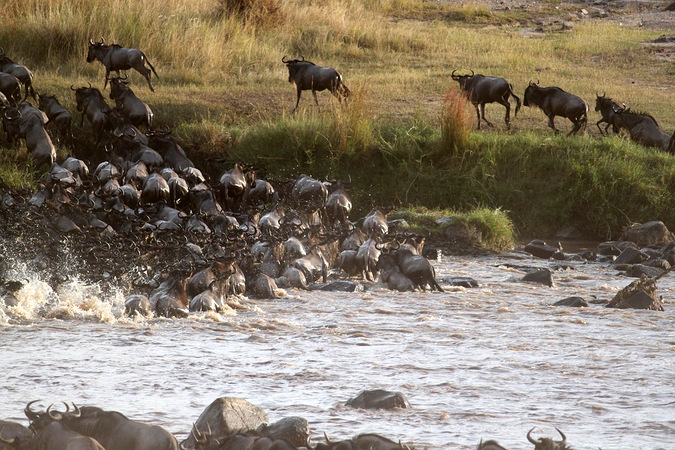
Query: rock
671	7
640	294
543	276
614	248
463	234
630	256
461	282
567	25
648	233
337	286
398	224
378	399
575	302
639	270
293	429
541	249
226	415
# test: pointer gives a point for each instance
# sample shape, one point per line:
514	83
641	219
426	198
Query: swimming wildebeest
608	108
548	443
115	57
481	90
307	76
556	102
21	72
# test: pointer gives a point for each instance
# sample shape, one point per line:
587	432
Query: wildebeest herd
93	428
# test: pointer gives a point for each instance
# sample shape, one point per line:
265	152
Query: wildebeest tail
516	97
149	64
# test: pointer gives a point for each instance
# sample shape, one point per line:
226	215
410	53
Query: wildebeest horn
72	88
453	76
326	436
76	412
529	438
54	415
303	58
2	50
563	436
32	415
91	41
89	84
2	439
102	40
283	59
472	72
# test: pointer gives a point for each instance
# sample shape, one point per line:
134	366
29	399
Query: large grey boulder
541	275
648	233
640	294
378	399
226	415
541	249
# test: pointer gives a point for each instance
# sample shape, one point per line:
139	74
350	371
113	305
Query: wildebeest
20	71
489	445
390	273
117	432
28	123
115	57
338	204
608	108
59	116
91	103
172	153
51	433
375	222
366	441
136	111
417	268
10	86
643	129
233	185
482	90
556	102
307	76
13	435
548	443
170	298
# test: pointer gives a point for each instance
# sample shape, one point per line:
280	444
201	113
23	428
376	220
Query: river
489	362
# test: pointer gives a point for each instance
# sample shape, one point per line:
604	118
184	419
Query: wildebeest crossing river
488	362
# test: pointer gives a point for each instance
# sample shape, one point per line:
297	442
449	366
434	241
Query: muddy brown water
489	362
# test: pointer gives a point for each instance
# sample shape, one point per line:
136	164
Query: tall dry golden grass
457	122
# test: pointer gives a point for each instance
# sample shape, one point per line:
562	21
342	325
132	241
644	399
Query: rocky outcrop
640	294
648	233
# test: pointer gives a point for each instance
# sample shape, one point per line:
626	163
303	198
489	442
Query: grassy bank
224	92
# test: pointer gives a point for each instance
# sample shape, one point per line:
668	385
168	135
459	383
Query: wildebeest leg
297	102
576	127
316	99
477	116
107	76
551	123
507	116
598	125
482	113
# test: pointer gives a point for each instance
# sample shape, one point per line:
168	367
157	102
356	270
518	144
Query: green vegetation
406	138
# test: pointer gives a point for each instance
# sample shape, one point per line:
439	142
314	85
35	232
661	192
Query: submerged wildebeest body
20	71
115	57
608	109
482	90
643	129
553	101
548	443
132	108
13	435
489	445
59	116
308	76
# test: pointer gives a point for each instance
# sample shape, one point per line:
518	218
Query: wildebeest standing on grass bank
307	76
136	111
608	108
21	72
481	90
59	116
556	102
643	129
91	103
115	57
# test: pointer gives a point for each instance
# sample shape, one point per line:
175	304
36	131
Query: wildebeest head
548	443
118	85
462	79
532	94
95	49
604	103
294	66
84	94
